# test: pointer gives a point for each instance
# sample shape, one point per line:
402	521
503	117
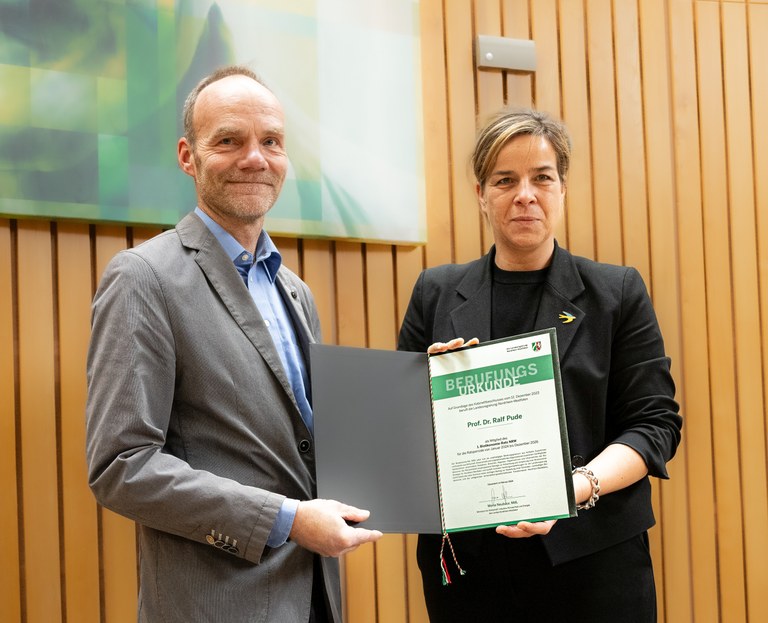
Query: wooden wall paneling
546	82
10	553
727	510
409	263
602	98
547	96
142	234
690	114
437	165
350	293
79	509
693	368
109	240
631	144
318	273
490	86
39	428
289	251
360	565
118	534
417	609
467	218
749	362
758	47
673	566
391	579
515	23
579	214
380	307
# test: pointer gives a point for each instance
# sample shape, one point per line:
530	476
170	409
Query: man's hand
322	526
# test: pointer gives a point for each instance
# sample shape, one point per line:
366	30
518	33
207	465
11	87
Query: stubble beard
217	195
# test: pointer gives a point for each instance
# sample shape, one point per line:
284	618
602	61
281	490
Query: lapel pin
566	317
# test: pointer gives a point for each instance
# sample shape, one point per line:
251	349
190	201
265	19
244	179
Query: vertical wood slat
409	264
727	508
350	305
118	544
630	122
461	129
381	325
516	24
544	22
289	251
750	391
579	235
670	503
602	89
80	514
436	149
486	16
696	404
10	554
757	16
142	234
547	88
417	609
490	89
317	272
39	452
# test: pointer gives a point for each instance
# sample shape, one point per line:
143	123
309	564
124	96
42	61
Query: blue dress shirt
259	273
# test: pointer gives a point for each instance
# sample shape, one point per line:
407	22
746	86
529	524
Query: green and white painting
91	94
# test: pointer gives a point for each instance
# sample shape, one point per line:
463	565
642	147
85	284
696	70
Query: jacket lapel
473	317
292	302
556	308
224	278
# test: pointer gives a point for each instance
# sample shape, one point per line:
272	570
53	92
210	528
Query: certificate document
500	435
492	415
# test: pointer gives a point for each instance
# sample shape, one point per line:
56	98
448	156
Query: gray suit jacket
194	433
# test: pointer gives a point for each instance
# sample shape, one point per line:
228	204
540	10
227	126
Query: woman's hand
457	342
526	528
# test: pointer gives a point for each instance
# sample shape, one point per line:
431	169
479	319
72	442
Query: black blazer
617	384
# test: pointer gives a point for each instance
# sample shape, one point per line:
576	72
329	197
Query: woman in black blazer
623	421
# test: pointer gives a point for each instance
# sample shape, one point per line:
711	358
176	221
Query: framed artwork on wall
91	93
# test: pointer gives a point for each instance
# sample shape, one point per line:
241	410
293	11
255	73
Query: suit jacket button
304	446
210	539
577	461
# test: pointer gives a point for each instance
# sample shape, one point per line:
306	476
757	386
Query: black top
515	297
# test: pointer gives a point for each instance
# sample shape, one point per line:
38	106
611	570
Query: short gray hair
188	111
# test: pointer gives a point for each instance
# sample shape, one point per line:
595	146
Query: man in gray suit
199	424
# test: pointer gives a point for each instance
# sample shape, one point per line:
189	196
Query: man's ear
185	157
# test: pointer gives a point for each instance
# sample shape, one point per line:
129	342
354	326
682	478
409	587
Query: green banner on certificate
490	378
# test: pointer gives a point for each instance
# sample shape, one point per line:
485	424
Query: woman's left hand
526	528
457	342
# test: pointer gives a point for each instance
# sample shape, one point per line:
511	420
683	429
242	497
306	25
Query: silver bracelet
595	495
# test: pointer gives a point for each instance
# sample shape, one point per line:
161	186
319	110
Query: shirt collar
266	251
